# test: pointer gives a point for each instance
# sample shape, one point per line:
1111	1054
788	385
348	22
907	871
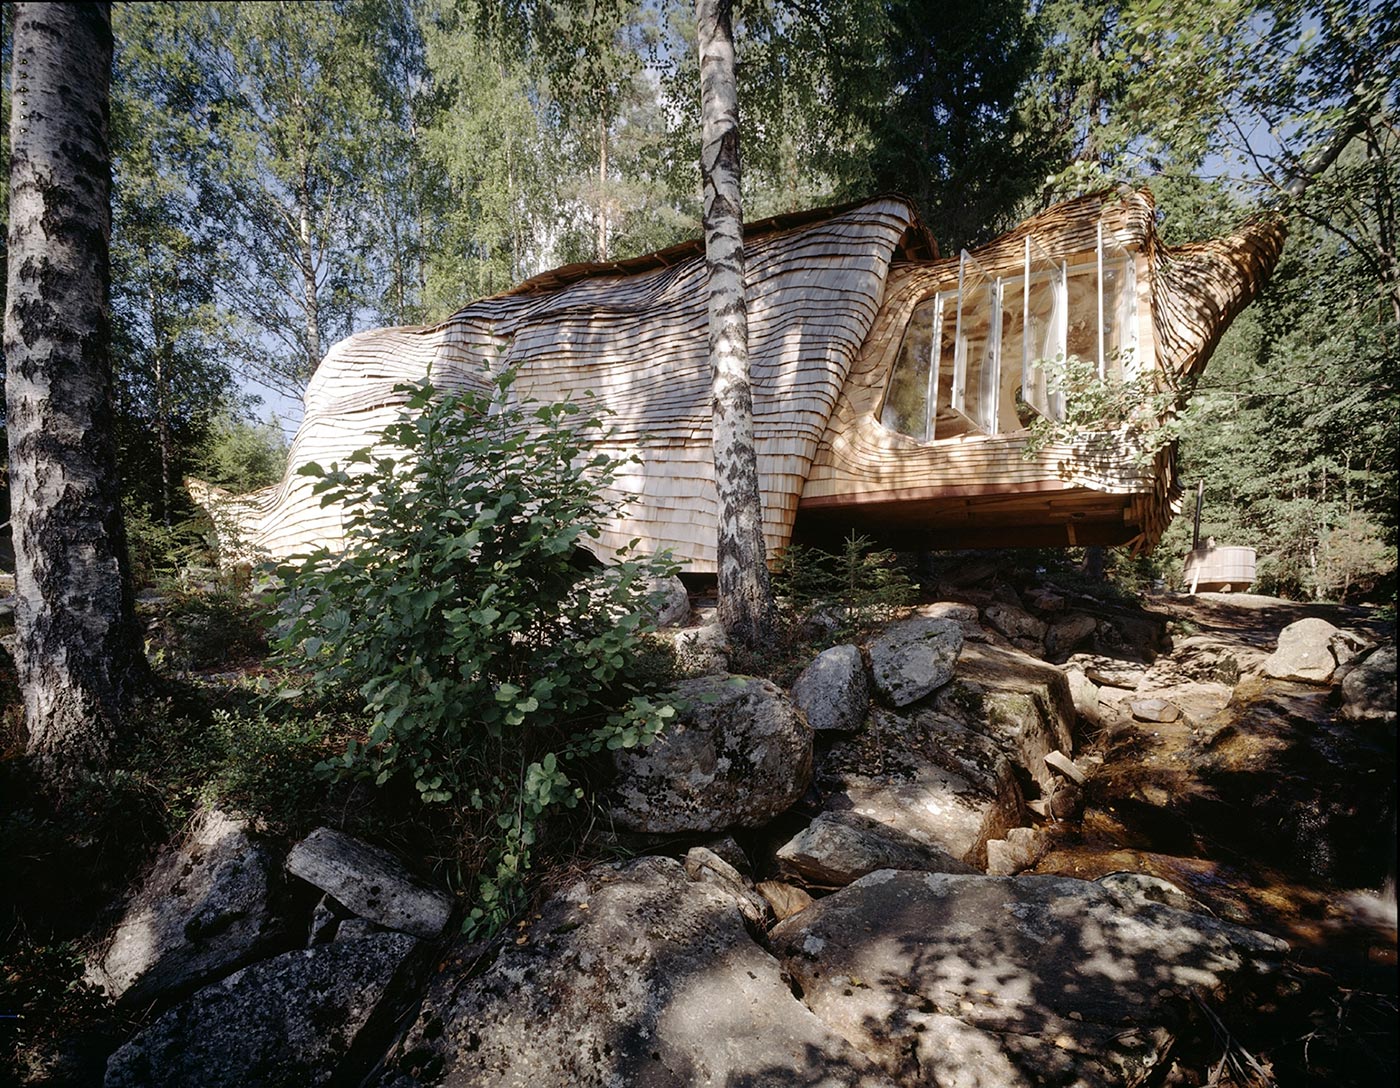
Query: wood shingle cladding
830	295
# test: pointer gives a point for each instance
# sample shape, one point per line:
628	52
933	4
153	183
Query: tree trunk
307	259
78	650
745	598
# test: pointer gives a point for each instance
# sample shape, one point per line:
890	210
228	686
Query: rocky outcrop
914	657
203	910
370	883
737	755
973	980
926	778
1368	690
294	1019
833	691
634	976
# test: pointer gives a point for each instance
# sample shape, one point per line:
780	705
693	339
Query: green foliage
858	587
195	629
241	455
490	659
1136	415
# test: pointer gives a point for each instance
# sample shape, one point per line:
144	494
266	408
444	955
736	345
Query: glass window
1044	334
906	407
976	351
956	370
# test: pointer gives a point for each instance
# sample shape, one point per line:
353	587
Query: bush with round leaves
490	652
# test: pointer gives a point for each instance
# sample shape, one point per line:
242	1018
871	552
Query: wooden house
891	387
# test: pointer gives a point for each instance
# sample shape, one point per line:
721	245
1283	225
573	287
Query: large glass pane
1119	314
1082	305
906	407
1044	337
975	354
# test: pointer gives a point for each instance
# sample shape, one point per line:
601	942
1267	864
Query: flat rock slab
370	882
635	976
926	778
202	911
833	690
1016	700
1018	980
839	847
736	755
915	657
290	1020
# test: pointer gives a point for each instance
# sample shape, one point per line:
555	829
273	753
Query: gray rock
202	911
729	849
1018	701
370	882
914	657
635	976
285	1021
736	755
964	615
701	651
670	603
1068	634
1061	763
325	919
928	779
1368	692
832	691
1045	600
1144	888
1014	622
1154	710
839	847
706	867
1017	981
1022	848
1304	653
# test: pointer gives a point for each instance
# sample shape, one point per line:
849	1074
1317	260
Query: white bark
745	598
79	651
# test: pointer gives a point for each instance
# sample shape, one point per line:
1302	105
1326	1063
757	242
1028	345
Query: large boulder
1014	621
634	976
669	601
839	847
370	882
915	657
929	780
1368	691
737	754
833	691
1007	981
1068	634
1307	652
294	1019
203	910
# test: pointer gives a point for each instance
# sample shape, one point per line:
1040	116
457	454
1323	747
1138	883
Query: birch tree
78	651
745	597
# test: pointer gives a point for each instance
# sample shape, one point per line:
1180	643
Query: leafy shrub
1139	414
488	656
195	629
855	588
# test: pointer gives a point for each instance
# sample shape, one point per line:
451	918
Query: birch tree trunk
79	653
745	598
